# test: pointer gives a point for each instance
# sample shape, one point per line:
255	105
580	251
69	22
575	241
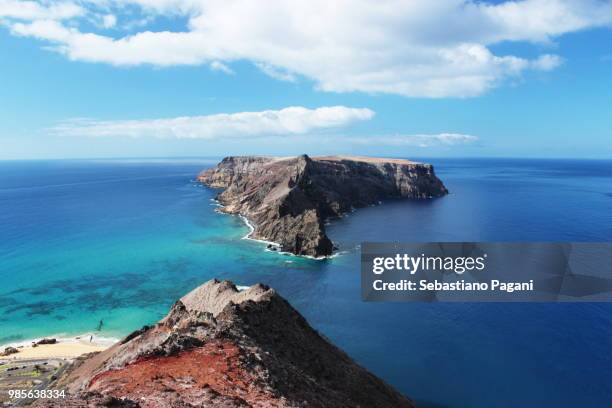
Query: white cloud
221	67
43	29
275	72
547	62
442	139
294	120
34	10
109	21
416	48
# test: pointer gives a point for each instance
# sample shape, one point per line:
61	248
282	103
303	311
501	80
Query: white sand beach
64	348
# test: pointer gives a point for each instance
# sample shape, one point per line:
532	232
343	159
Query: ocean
113	243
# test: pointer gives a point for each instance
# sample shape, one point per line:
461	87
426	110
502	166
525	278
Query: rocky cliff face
287	200
220	347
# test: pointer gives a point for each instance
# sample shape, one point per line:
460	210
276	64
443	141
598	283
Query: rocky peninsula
288	199
222	347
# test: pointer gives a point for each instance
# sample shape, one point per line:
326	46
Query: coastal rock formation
288	199
8	351
221	347
45	341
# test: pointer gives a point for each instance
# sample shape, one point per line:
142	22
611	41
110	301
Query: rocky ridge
221	347
288	199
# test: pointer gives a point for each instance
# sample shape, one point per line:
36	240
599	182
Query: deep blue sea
121	240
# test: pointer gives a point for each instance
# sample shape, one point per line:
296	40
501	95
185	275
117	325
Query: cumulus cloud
294	120
414	48
442	139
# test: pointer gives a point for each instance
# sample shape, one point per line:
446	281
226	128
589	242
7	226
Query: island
287	200
223	347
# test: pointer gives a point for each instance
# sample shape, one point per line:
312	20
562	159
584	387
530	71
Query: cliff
220	347
288	200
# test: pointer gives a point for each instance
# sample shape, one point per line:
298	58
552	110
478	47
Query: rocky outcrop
45	341
8	351
221	347
288	199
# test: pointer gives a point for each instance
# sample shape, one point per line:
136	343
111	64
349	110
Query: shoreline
65	347
277	245
263	241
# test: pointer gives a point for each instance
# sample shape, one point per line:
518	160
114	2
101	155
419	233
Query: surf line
252	230
263	241
244	219
277	245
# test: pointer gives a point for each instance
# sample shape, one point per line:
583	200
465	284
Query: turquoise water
119	241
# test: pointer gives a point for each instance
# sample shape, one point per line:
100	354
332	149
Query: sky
401	78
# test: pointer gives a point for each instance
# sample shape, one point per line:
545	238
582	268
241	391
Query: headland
287	200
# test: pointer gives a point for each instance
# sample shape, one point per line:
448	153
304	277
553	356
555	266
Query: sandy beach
64	348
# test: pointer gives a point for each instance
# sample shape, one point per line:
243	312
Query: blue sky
151	78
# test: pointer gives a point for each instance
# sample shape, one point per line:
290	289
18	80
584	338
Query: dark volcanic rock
8	351
287	200
46	341
220	347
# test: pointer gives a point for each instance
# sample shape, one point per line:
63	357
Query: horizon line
144	158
